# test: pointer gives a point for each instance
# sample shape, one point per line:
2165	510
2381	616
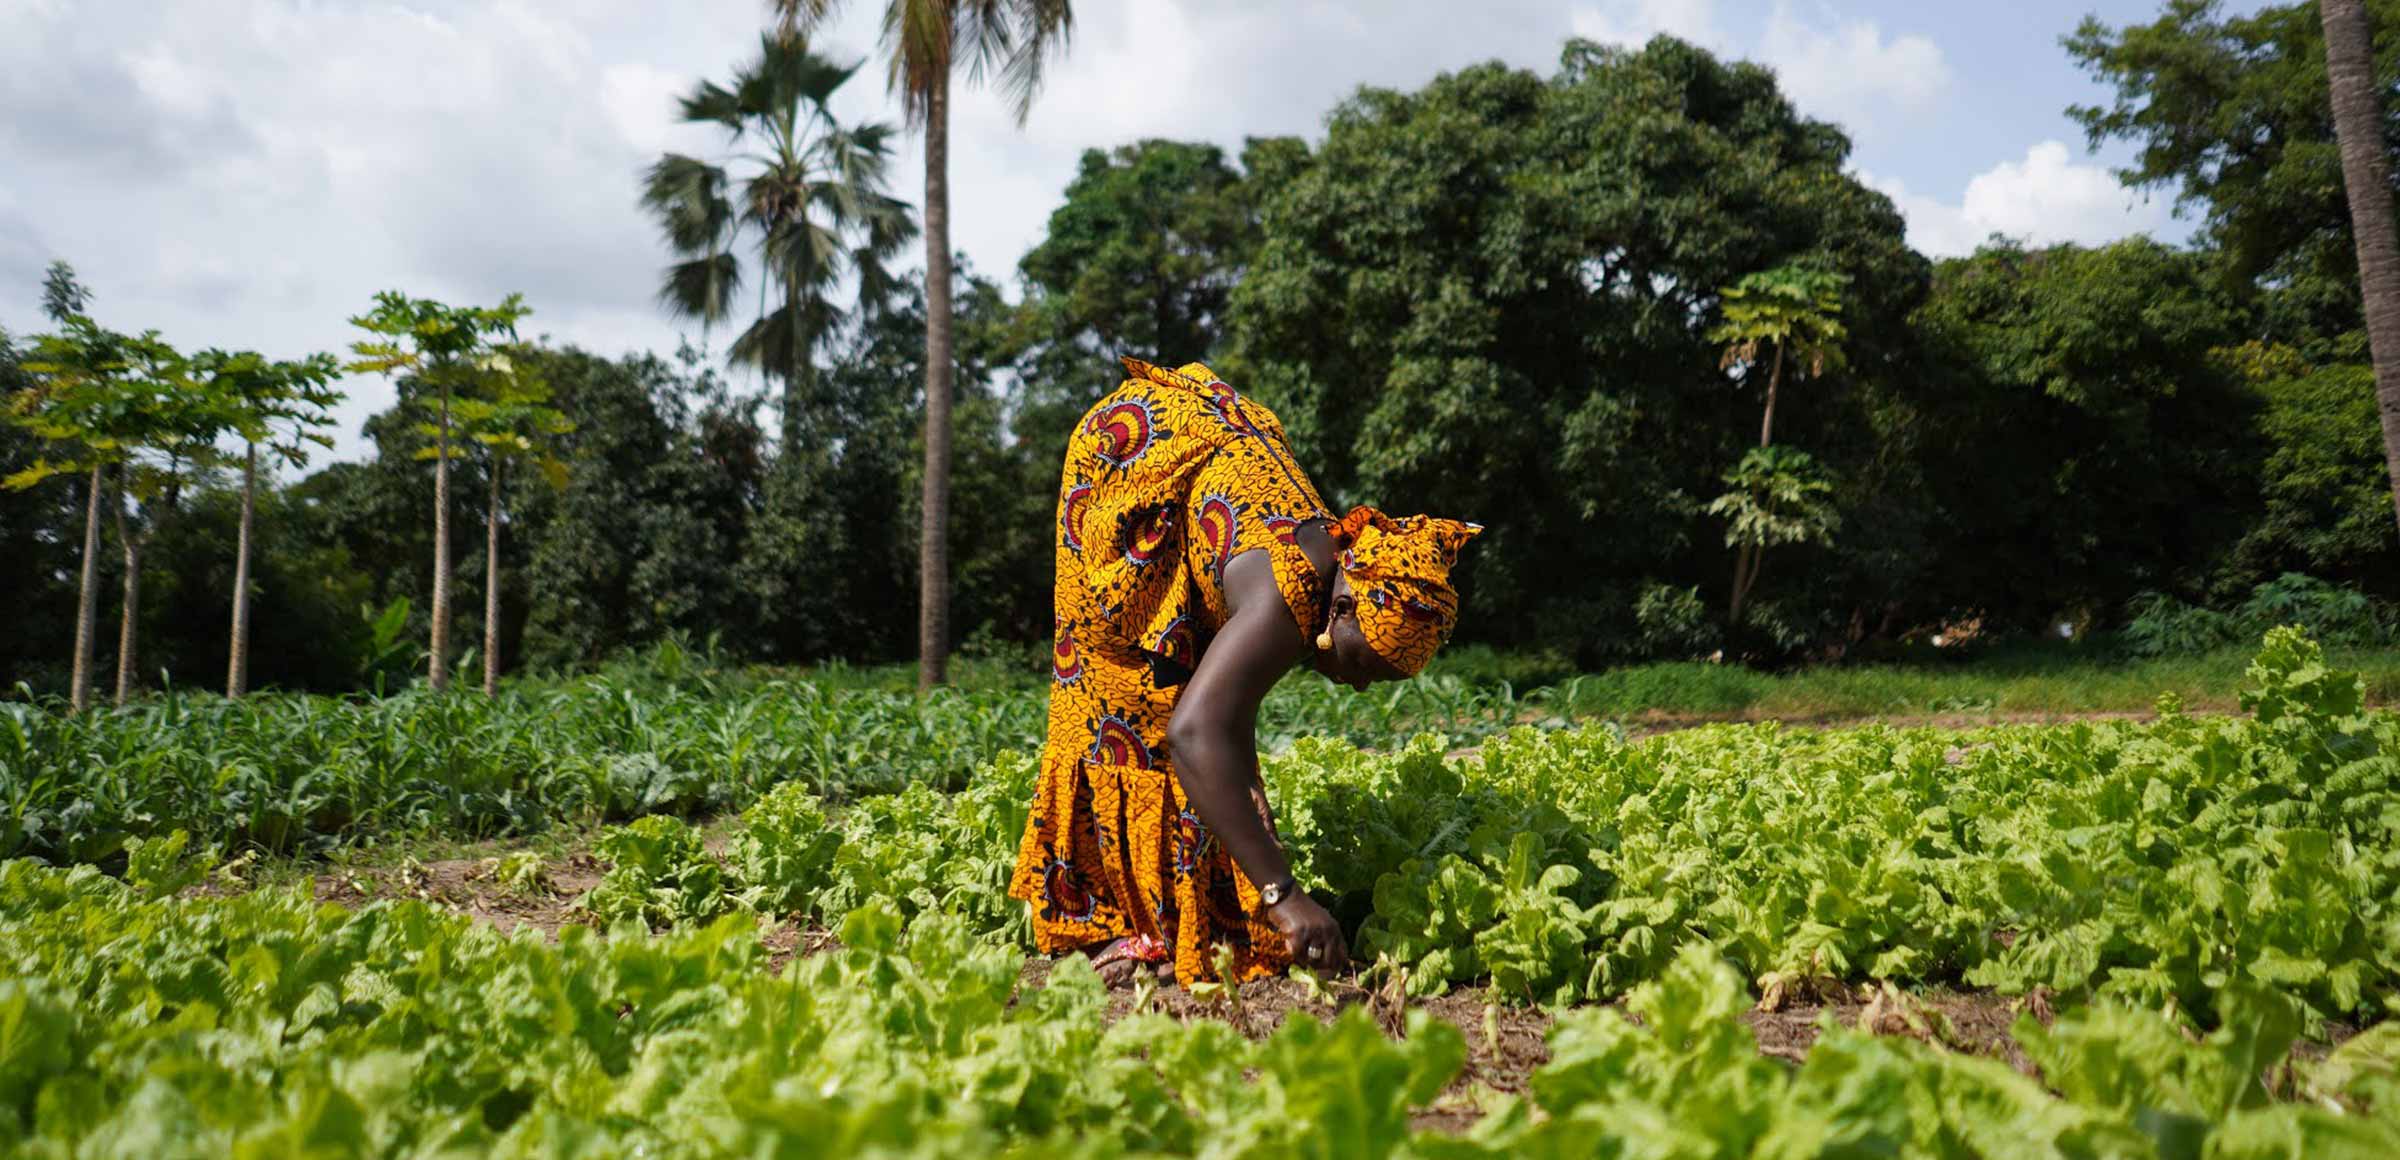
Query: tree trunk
2366	173
130	612
87	601
1744	560
237	662
1766	426
437	666
491	588
933	579
799	379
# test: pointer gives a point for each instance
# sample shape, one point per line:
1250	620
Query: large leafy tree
799	190
1492	297
2360	124
282	406
437	350
2324	499
666	467
1007	42
1140	258
2082	441
2232	113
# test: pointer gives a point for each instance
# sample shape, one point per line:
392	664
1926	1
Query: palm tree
2358	121
1009	39
804	190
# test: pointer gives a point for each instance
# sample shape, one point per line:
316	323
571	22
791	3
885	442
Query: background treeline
1498	297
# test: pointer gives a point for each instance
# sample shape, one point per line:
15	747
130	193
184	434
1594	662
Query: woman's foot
1119	963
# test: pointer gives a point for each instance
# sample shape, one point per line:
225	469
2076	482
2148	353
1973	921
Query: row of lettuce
2157	862
285	774
263	1024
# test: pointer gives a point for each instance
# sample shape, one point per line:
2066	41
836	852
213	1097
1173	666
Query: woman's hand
1315	938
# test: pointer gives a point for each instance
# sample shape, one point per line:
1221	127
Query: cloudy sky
247	173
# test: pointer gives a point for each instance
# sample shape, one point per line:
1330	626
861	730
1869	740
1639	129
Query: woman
1196	566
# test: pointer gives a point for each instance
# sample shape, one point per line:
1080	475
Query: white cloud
1838	69
1632	23
1852	74
247	173
2045	198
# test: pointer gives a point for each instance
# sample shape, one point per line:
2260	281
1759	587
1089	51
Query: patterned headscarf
1399	570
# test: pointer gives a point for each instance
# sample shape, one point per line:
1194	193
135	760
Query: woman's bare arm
1213	741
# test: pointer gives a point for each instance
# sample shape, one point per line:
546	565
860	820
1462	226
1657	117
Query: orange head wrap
1399	570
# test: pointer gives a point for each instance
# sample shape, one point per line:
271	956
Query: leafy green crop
659	873
265	1024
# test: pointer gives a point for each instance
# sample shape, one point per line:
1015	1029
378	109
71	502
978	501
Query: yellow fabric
1399	570
1165	481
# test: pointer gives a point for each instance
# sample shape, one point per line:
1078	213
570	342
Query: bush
2330	613
2164	626
1673	623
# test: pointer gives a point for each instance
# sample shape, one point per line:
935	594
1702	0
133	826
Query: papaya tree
436	349
280	406
1790	314
85	405
511	417
1778	497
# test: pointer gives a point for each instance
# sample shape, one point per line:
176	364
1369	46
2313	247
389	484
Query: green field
2193	918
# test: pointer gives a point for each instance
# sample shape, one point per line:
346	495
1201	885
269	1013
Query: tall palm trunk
87	600
130	613
437	666
237	661
933	579
2366	172
491	587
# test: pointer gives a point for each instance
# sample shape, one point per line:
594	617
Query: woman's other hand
1315	938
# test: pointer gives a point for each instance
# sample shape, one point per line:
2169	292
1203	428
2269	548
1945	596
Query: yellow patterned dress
1166	480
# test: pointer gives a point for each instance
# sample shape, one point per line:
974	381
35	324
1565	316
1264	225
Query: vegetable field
2196	917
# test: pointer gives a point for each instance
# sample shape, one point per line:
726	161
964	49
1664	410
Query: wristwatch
1273	893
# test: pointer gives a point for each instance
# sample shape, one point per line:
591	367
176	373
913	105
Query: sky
246	174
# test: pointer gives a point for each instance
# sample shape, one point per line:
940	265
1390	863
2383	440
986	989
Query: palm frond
687	196
1042	29
703	287
711	103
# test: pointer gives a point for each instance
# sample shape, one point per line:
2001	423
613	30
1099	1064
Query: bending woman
1196	566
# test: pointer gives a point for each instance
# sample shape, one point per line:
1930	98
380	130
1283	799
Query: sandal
1133	949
